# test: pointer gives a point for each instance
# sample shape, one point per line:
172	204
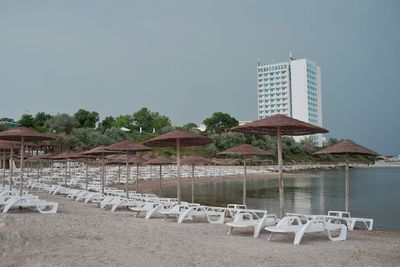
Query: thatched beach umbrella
245	150
23	134
194	160
177	139
4	146
101	151
347	147
279	125
160	160
128	147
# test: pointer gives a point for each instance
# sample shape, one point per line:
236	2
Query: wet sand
83	235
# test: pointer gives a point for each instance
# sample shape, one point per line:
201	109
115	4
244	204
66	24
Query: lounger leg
230	230
270	237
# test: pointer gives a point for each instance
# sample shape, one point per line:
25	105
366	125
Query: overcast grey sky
188	59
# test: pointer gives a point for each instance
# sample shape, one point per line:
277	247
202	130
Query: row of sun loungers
335	225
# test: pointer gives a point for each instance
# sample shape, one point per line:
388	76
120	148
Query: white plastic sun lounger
256	219
351	221
147	209
107	200
122	202
29	201
176	210
212	214
294	225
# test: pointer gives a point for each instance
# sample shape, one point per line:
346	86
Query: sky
189	59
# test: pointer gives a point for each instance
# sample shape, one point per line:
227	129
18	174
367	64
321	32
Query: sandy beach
84	235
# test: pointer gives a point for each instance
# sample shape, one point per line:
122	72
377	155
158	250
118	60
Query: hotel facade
292	88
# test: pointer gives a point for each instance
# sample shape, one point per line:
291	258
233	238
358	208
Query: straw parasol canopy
278	125
244	150
128	147
347	147
160	160
23	134
177	139
194	160
101	151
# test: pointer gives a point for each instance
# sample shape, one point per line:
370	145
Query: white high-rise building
292	88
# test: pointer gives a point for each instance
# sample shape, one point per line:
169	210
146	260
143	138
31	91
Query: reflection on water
374	193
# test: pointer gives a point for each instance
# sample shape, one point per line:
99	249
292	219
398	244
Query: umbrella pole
127	174
178	169
137	178
244	179
11	167
102	173
86	174
347	189
21	167
119	173
66	173
4	168
280	168
192	183
159	193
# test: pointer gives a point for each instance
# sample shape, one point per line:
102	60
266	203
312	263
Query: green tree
332	141
116	135
62	123
86	119
191	126
26	120
40	121
107	123
124	121
219	122
90	137
227	140
67	142
308	146
148	120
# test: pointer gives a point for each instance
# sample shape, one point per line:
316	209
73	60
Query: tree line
84	130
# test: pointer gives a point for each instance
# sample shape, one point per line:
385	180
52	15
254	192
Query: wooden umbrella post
244	179
127	174
102	173
347	189
119	173
280	168
178	169
11	167
21	167
192	183
66	173
137	178
4	168
86	174
159	193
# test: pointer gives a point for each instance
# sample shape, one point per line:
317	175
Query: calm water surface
374	193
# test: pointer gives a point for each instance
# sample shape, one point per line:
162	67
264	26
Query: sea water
374	193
